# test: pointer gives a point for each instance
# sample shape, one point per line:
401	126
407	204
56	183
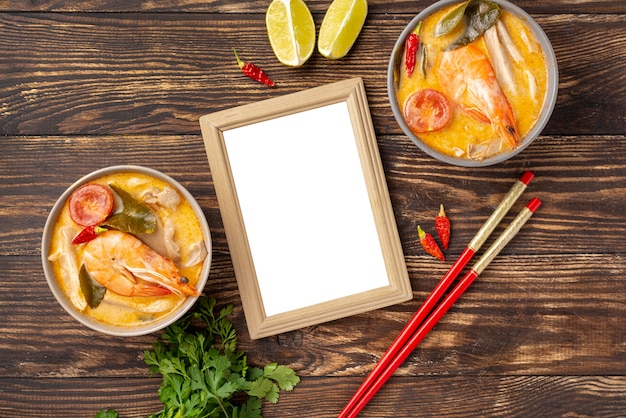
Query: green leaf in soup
135	218
481	15
451	19
92	290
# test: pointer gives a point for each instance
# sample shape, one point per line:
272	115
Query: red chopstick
445	305
479	239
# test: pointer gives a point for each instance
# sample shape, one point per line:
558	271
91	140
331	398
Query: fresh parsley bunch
203	373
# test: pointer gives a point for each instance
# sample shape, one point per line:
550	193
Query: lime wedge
291	31
341	26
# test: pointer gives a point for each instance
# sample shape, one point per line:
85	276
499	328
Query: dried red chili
411	46
88	234
429	244
253	72
442	223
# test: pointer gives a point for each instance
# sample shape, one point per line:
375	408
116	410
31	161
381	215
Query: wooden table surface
542	332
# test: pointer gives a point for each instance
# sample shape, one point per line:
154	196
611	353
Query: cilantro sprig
203	373
108	413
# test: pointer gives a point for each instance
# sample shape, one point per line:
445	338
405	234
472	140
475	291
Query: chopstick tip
534	204
526	177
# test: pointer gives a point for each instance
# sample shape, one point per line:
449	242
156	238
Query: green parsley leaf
109	413
203	374
285	377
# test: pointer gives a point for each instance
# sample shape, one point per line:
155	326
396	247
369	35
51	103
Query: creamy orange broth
464	130
131	311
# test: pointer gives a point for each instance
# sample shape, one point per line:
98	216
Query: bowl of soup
126	250
472	83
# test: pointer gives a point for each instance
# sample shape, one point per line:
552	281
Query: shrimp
470	81
124	265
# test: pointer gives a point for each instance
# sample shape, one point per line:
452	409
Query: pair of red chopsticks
420	323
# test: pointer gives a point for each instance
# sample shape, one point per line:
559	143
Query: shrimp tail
476	114
179	287
147	289
508	129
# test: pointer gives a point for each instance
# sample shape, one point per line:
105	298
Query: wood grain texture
432	396
135	73
259	6
540	333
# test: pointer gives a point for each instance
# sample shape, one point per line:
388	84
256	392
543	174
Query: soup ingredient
429	244
291	31
253	72
203	373
135	217
503	54
427	110
411	47
508	42
197	254
451	19
65	254
442	224
423	57
168	197
480	16
90	204
499	59
410	57
123	264
87	234
341	26
468	77
94	293
163	239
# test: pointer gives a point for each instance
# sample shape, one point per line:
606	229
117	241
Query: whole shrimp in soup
470	82
123	264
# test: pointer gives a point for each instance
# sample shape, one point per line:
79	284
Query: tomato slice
427	110
90	204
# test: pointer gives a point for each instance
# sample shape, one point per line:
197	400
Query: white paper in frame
305	207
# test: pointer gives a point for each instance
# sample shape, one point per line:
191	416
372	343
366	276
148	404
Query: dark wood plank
316	6
155	74
578	178
432	396
512	321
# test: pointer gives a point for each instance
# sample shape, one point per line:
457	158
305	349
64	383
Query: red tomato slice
427	110
90	204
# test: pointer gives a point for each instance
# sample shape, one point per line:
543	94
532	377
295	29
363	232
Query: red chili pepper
88	234
442	223
253	71
411	46
429	244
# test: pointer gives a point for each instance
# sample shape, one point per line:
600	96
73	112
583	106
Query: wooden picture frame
305	206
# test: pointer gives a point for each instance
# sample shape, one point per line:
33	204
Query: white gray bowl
548	107
90	321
